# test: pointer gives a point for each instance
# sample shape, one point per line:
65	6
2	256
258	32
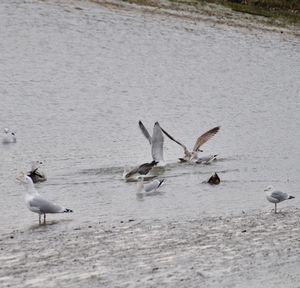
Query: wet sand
259	249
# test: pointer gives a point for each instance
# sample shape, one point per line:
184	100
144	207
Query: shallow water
75	82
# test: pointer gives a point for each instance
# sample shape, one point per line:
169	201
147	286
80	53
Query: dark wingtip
68	211
161	182
291	197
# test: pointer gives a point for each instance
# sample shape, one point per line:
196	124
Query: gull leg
44	218
275	208
39	219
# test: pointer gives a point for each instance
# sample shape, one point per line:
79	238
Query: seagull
193	156
206	159
35	174
9	137
156	142
36	203
134	173
214	179
275	197
148	187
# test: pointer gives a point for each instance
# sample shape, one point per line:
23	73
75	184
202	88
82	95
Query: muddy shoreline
250	250
212	13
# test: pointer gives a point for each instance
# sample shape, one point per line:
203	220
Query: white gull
36	203
275	196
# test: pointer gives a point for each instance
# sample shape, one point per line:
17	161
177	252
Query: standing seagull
193	156
156	142
9	137
276	196
36	203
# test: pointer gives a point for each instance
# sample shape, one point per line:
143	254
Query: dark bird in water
140	170
275	197
214	179
193	155
35	174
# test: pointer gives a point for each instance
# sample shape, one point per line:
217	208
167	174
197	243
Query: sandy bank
207	12
251	250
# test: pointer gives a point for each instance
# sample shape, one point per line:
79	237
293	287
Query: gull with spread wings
193	155
156	142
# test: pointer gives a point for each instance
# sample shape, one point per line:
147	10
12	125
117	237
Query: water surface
75	82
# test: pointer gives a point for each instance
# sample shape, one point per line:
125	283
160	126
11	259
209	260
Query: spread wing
157	143
45	206
169	136
145	131
205	137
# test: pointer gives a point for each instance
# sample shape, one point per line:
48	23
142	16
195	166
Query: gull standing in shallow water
156	142
36	203
193	156
275	197
9	137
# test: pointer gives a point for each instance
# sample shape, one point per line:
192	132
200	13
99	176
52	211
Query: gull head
6	130
269	188
35	164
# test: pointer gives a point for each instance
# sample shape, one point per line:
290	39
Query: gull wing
183	146
145	132
280	196
157	143
205	137
44	205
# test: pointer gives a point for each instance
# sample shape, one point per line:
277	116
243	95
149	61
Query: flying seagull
275	197
193	156
156	142
36	203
